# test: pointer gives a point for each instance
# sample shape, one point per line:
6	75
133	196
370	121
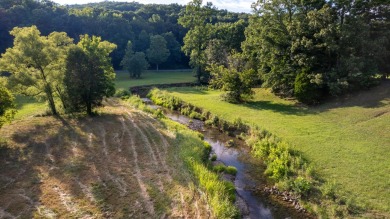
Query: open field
348	139
121	164
153	77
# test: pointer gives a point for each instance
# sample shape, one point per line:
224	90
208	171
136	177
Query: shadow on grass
189	90
279	108
75	159
374	97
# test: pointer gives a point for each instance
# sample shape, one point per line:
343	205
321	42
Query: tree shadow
374	97
296	109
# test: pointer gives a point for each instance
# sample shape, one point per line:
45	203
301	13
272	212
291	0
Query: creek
249	179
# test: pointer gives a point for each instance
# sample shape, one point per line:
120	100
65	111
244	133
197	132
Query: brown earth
120	164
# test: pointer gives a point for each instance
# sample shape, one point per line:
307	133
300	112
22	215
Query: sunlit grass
28	106
348	139
153	77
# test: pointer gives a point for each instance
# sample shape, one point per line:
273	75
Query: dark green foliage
134	63
122	93
89	75
306	90
7	107
157	52
340	46
236	82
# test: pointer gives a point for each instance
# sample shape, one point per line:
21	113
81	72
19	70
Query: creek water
249	177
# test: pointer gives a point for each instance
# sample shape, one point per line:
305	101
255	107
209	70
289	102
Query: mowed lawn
348	139
28	106
124	81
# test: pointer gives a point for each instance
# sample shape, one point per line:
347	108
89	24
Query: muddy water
249	172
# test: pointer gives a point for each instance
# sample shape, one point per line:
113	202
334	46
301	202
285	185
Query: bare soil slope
120	164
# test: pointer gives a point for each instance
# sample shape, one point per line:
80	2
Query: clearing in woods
119	164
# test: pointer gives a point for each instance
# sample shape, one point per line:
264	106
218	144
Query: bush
122	93
231	170
213	157
301	186
305	91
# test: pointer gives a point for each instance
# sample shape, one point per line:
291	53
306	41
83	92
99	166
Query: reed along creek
249	180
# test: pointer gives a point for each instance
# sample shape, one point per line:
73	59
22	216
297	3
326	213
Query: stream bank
254	199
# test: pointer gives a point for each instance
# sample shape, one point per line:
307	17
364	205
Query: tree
234	79
36	63
89	74
134	63
174	48
7	107
158	52
197	19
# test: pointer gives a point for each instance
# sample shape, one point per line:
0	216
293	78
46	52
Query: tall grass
194	152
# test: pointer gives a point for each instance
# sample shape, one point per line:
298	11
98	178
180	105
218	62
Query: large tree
157	52
36	63
89	74
134	63
197	19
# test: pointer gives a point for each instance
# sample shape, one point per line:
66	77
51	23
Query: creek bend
250	201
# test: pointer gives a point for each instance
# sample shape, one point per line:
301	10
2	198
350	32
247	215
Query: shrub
219	168
122	93
306	91
231	170
213	157
301	186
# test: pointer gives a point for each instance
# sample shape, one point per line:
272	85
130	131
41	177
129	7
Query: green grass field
28	106
348	139
153	77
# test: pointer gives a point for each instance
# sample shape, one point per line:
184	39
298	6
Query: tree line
116	22
303	49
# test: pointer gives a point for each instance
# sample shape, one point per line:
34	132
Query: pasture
124	81
347	139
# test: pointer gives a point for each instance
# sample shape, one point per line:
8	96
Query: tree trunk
198	74
157	66
89	108
52	104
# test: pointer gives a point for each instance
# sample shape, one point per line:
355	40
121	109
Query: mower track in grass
119	164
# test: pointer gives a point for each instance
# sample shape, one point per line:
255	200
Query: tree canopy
134	62
89	75
36	63
158	52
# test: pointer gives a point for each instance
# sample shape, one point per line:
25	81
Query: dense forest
116	22
303	49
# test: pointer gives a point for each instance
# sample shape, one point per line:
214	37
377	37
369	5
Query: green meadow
347	139
124	81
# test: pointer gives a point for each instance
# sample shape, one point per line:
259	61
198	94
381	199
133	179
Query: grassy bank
194	153
153	77
346	139
122	163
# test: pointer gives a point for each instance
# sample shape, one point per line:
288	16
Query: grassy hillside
347	139
121	164
153	77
